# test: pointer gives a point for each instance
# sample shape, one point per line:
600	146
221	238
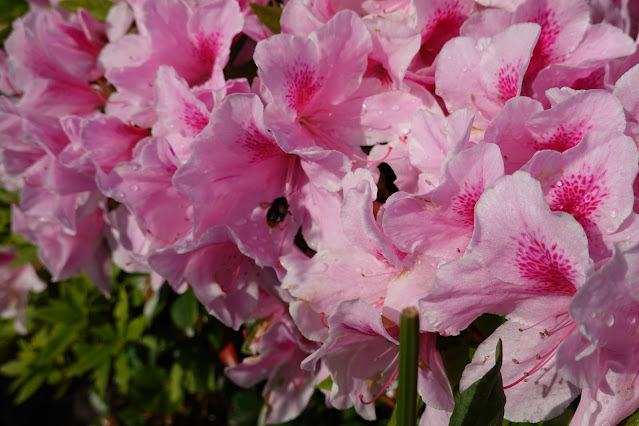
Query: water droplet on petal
587	198
633	320
613	213
135	188
609	320
321	267
559	183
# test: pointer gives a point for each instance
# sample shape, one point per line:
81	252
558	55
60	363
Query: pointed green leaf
268	15
135	328
101	377
122	373
89	357
61	337
30	387
14	368
483	402
633	420
121	312
184	312
98	8
175	383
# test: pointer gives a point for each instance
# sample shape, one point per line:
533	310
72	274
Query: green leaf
90	357
483	402
122	373
268	15
175	384
98	8
61	337
9	11
25	251
184	312
101	377
633	420
15	368
58	312
121	312
30	387
455	360
326	384
135	328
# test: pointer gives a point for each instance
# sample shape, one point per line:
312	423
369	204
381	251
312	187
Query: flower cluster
510	128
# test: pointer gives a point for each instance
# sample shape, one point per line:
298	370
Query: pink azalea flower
440	223
523	127
198	53
223	279
569	50
607	310
144	186
181	116
16	284
235	154
438	21
318	95
592	181
493	70
53	61
65	254
362	352
279	354
319	283
434	139
526	262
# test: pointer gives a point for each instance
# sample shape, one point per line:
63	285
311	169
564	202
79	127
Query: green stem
408	352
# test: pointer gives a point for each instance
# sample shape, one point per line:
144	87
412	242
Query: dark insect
277	212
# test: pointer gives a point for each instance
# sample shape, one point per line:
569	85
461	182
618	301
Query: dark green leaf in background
184	312
483	402
10	10
268	15
98	8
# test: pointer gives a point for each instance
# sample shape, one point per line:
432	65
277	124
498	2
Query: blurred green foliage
98	8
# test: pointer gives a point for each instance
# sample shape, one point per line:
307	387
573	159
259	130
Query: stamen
322	315
388	382
290	170
282	239
296	385
545	359
224	178
378	275
237	273
12	87
381	160
31	185
378	304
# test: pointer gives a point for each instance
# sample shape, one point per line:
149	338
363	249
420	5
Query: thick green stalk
408	353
